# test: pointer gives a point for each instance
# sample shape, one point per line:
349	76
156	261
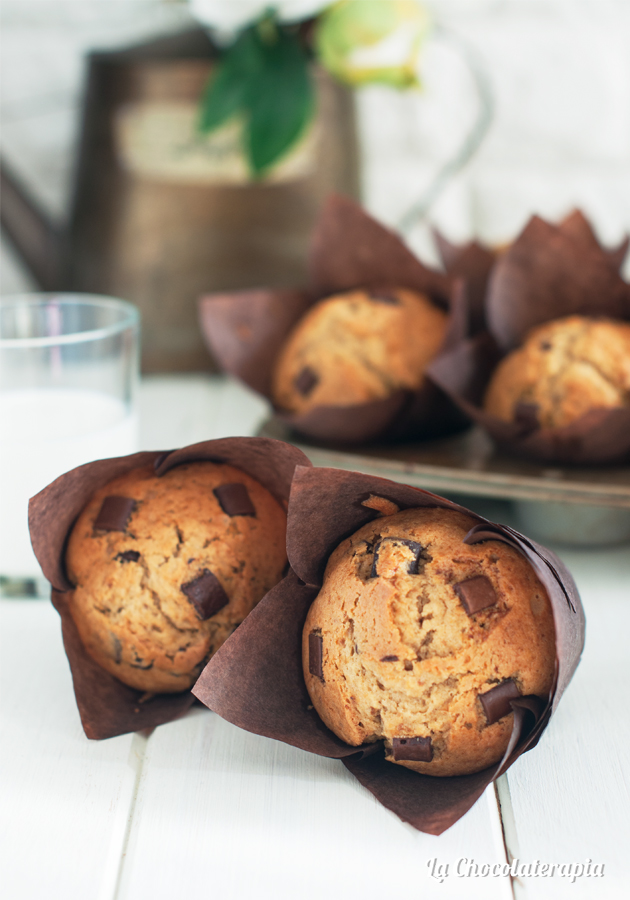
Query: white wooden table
199	809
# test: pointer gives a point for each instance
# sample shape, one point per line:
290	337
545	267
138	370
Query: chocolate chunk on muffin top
166	567
423	641
359	346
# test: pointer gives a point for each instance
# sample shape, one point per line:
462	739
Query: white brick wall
560	73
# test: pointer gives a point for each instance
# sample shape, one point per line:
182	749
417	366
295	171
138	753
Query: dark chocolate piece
305	381
384	297
496	701
206	594
234	499
476	593
128	556
315	655
114	514
418	749
526	415
416	554
117	646
389	659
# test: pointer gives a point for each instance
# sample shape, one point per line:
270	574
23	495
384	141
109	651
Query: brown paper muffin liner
255	679
473	263
547	273
246	329
107	706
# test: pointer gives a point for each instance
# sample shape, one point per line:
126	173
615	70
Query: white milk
44	433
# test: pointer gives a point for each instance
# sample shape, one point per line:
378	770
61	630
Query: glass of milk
68	380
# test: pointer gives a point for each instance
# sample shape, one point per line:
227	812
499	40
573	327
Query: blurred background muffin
359	346
564	369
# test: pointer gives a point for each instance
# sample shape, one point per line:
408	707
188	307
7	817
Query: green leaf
280	100
226	92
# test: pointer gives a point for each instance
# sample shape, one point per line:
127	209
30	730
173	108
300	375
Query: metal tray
569	504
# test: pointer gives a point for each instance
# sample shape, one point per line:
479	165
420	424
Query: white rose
228	16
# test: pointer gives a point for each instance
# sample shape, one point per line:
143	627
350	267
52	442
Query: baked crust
357	347
401	655
132	614
564	369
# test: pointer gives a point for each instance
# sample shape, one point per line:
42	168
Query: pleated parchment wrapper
255	679
473	262
107	706
246	329
547	273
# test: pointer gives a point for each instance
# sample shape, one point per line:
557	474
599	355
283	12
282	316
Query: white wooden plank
281	822
570	795
183	409
65	800
241	411
224	813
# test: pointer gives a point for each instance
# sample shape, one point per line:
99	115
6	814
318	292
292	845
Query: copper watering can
159	218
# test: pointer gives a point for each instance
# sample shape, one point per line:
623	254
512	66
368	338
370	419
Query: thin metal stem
473	139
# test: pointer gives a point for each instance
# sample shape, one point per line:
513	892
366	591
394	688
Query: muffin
422	641
356	347
165	568
565	368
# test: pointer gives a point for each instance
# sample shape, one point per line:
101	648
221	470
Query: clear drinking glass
68	380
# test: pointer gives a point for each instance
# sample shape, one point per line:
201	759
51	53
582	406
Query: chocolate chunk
387	556
315	655
476	593
496	701
141	665
384	297
206	594
114	514
234	499
117	648
389	659
305	381
128	556
545	345
526	415
419	749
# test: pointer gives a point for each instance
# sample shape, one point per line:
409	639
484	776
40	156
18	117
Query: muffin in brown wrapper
246	330
548	273
107	706
256	679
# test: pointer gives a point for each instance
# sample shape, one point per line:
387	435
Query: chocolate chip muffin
359	346
166	567
564	369
421	640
